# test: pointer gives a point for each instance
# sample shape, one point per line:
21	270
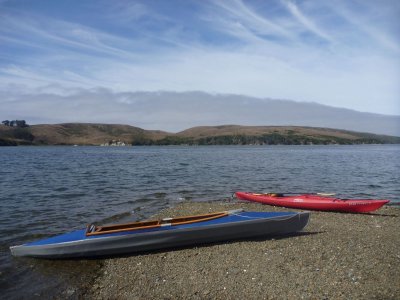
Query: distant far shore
86	134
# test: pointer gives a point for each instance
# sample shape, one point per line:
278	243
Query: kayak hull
315	202
244	225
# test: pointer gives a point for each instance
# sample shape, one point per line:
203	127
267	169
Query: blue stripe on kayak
242	216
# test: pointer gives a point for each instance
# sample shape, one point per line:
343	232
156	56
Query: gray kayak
95	241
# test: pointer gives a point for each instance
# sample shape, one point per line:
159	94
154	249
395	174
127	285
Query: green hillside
97	134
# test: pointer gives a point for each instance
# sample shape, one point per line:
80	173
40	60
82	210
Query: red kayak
314	202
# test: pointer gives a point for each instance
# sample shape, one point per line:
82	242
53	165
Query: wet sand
338	256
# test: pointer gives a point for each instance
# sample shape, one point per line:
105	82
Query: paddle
326	194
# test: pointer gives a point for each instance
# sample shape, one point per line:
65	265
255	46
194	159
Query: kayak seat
275	195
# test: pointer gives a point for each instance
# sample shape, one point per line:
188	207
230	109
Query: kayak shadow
356	213
282	237
205	245
381	215
46	262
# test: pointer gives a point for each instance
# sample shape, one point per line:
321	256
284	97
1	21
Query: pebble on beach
337	256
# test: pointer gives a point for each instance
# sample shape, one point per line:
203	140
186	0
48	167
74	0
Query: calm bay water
50	190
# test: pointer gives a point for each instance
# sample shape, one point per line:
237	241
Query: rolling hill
97	134
76	134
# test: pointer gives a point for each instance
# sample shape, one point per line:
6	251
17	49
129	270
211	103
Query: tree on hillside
15	123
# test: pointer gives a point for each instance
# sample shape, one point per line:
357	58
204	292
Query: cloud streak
306	22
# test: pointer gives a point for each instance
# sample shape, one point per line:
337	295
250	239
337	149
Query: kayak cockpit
92	229
270	194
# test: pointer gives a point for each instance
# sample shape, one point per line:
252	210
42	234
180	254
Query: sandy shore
339	256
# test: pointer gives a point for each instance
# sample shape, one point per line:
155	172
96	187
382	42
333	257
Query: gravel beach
337	256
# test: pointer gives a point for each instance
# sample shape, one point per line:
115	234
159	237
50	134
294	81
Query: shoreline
121	135
195	145
337	256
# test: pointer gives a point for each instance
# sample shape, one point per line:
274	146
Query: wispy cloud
253	21
55	35
306	21
372	22
126	11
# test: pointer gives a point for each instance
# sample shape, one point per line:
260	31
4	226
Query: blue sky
338	53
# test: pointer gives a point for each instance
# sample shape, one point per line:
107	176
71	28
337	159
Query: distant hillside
96	134
274	135
77	134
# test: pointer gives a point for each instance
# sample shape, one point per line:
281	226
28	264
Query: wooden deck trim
152	224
